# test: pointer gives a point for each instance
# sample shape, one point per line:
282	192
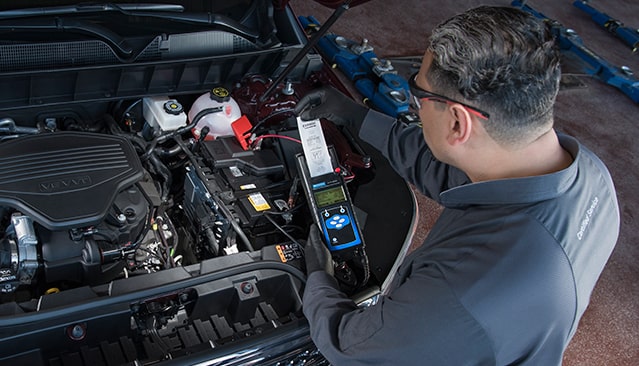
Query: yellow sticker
259	202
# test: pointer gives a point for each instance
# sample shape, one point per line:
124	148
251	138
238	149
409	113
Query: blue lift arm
376	79
629	35
569	41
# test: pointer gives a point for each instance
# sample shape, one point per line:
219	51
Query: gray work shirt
503	277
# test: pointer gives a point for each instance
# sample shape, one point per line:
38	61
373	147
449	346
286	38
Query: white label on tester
314	145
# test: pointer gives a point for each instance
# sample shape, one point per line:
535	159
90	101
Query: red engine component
281	105
278	107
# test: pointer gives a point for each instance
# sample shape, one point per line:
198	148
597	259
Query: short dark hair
501	60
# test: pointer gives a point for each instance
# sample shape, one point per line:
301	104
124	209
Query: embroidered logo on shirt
586	221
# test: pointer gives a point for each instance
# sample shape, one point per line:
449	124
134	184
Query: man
530	217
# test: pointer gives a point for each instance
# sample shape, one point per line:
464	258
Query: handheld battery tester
325	189
331	207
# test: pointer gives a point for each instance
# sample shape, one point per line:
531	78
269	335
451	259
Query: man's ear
460	125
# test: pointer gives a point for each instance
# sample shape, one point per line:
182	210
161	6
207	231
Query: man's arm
421	319
404	146
421	322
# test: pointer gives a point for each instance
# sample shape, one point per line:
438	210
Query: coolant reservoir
218	121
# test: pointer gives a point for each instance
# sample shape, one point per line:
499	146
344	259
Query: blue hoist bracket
630	36
570	43
376	79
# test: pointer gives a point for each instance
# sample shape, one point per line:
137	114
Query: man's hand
328	102
317	255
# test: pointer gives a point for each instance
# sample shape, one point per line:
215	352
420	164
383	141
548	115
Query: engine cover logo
65	184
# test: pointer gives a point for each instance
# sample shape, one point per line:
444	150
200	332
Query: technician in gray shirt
530	217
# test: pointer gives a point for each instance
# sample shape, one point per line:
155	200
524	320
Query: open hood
154	195
47	3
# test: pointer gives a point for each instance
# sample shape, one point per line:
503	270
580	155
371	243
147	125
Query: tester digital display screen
329	196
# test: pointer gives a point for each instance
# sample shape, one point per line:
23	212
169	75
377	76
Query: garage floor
600	116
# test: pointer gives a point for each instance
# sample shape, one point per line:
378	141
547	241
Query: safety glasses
420	94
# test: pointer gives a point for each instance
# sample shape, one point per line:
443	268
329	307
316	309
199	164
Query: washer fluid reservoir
216	110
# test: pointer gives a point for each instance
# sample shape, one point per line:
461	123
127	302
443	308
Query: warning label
289	252
259	202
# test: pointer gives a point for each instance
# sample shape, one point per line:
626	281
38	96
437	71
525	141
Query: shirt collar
516	190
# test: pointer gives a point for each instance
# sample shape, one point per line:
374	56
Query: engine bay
152	201
156	183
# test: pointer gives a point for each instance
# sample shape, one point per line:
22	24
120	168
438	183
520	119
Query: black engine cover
66	179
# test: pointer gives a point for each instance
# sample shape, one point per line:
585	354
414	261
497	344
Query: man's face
432	114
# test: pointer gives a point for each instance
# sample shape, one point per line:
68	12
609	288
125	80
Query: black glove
328	102
317	255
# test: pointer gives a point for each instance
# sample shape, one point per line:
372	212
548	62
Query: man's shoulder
582	154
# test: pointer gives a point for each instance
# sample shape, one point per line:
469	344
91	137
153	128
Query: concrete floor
600	116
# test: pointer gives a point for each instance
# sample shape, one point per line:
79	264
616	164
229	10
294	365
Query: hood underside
5	5
328	3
